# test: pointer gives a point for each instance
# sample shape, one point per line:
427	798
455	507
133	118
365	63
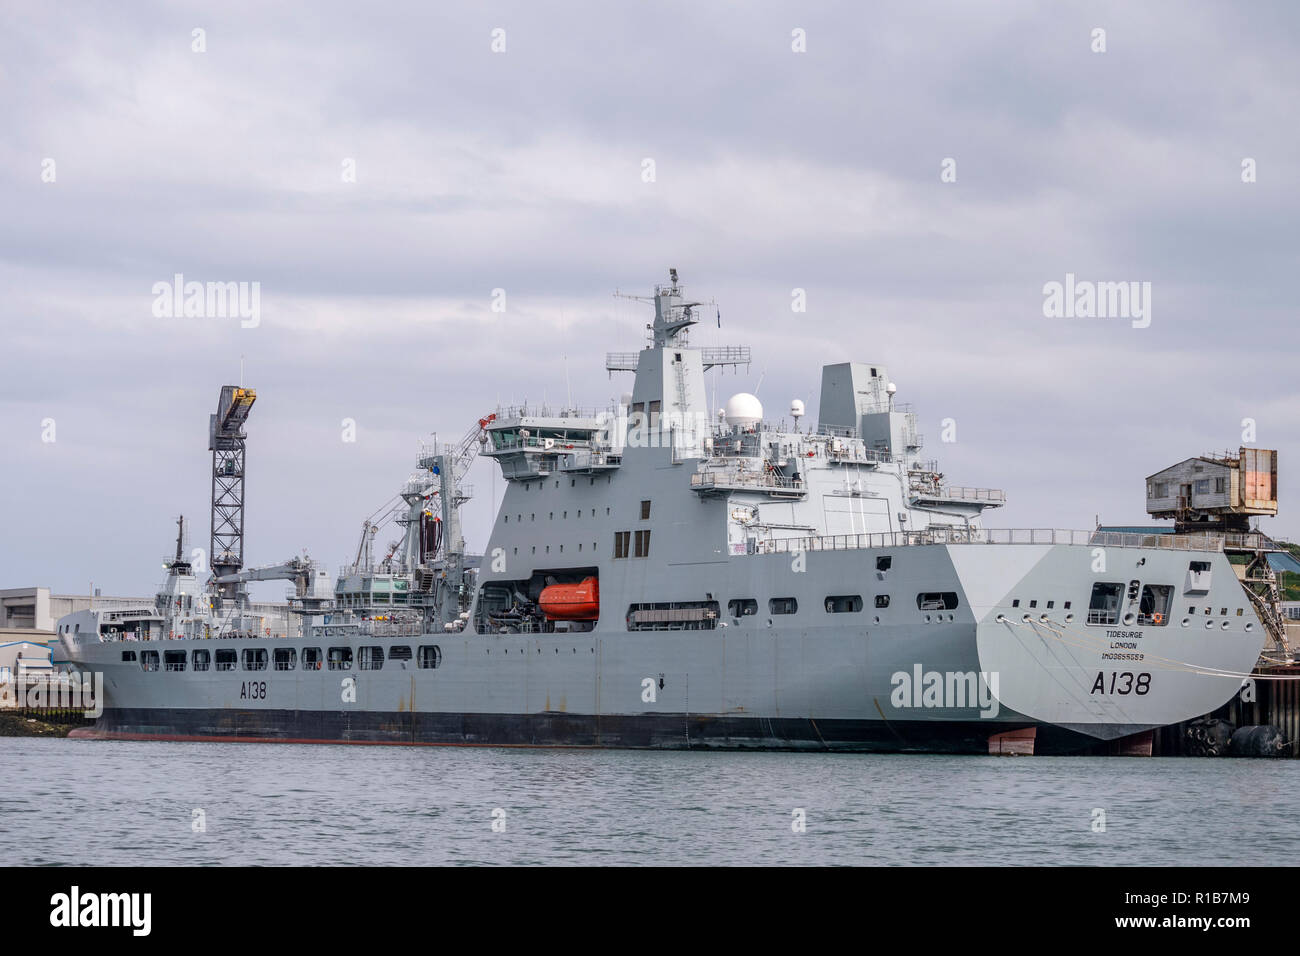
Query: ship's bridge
535	441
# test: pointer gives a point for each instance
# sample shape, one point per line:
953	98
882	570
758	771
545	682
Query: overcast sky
522	170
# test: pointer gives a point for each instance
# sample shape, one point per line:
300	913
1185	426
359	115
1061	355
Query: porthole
1129	619
1025	618
1069	618
1186	622
877	619
1225	625
1000	618
1043	618
1250	626
1209	624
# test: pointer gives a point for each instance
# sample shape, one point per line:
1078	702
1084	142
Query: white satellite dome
891	388
744	409
796	408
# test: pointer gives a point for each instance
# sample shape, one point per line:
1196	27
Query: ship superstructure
662	575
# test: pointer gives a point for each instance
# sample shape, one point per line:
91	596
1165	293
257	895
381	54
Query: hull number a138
1121	683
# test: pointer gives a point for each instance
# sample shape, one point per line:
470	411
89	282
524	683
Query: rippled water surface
118	803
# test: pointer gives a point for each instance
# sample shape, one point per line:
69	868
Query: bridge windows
844	604
1103	606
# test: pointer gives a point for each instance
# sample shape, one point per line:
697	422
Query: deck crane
443	575
432	548
447	470
312	592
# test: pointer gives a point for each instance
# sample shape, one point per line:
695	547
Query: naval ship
658	576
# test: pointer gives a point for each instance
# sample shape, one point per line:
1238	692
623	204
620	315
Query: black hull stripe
653	731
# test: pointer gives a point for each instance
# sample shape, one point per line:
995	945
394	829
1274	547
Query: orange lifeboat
571	602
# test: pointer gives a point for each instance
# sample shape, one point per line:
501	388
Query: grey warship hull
750	685
660	578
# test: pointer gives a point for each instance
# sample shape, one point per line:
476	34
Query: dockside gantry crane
226	437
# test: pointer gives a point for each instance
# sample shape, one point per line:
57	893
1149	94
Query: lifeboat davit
571	602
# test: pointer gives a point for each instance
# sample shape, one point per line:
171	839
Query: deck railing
744	479
944	536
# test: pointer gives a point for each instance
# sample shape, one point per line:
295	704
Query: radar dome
744	409
796	408
891	388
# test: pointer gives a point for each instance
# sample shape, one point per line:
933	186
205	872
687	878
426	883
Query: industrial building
1215	492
